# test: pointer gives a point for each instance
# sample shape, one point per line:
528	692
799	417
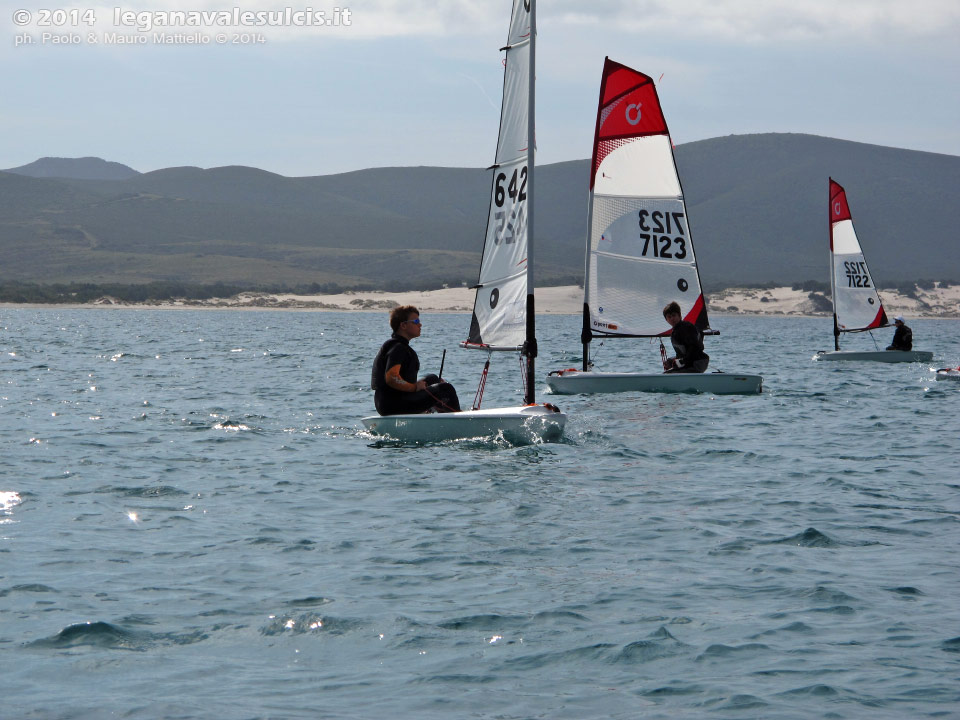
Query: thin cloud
735	21
767	21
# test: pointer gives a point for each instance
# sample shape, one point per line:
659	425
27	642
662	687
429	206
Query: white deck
887	356
573	382
521	424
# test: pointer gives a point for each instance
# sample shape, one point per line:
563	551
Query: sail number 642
658	227
507	231
516	192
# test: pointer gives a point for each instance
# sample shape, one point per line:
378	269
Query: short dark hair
401	315
672	309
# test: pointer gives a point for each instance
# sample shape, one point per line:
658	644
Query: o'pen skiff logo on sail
635	120
605	325
836	207
494	298
600	324
683	285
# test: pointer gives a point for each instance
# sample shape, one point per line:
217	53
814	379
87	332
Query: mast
586	333
530	345
833	281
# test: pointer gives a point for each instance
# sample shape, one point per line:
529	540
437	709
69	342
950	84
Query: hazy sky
418	82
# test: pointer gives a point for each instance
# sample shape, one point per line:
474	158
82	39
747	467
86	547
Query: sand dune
568	300
565	300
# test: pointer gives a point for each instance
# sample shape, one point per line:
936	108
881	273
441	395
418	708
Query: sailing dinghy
856	303
503	314
639	254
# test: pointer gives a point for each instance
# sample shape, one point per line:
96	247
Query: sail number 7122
857	275
658	236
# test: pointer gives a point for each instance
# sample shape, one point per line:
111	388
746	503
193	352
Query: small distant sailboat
856	304
503	314
639	254
948	374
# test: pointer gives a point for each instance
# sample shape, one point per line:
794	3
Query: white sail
499	312
639	249
856	304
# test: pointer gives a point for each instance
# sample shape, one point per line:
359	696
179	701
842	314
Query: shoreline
939	302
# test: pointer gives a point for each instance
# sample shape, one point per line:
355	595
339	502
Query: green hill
757	207
88	168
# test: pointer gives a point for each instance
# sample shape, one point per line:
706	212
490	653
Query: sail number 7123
658	236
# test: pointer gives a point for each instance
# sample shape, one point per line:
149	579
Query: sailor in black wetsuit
687	344
394	378
903	337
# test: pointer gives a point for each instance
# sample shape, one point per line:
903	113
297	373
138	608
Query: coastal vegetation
757	206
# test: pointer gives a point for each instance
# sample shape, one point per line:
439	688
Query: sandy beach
936	302
943	302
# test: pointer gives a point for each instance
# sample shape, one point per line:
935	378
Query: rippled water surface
193	525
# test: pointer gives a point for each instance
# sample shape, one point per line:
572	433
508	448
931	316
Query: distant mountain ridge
757	208
87	168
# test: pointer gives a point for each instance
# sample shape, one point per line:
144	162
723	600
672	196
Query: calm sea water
193	525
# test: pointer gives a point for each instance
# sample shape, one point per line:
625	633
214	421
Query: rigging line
523	371
439	401
595	355
478	398
475	82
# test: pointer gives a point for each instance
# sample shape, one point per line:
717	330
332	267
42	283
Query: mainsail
500	309
639	249
856	304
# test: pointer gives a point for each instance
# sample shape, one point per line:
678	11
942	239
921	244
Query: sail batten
856	304
505	278
613	196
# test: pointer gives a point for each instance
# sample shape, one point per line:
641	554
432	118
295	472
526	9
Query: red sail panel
697	316
629	108
839	210
879	321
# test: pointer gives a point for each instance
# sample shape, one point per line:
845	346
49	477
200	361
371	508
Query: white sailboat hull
573	382
887	356
519	425
948	374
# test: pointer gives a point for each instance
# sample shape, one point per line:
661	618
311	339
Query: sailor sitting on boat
394	377
687	343
903	337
